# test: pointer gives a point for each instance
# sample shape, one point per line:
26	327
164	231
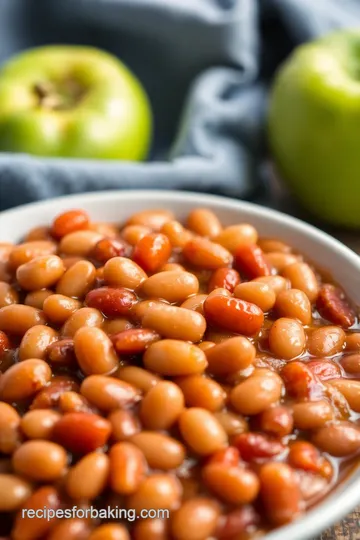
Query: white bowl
321	248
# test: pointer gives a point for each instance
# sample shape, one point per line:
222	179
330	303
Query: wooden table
277	197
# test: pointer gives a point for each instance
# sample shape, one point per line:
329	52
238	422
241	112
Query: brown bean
114	326
48	397
87	479
71	529
202	392
326	341
59	308
9	428
158	491
268	245
23	380
94	351
127	468
230	356
77	280
29	527
160	451
84	317
339	440
39	423
350	389
237	235
353	342
176	233
124	425
175	322
204	222
232	423
110	230
201	431
312	414
40	273
277	421
161	406
79	243
8	295
132	234
36	341
73	402
233	484
13	492
110	531
17	318
287	338
258	392
173	358
351	363
108	393
277	283
302	277
195	303
196	519
203	253
61	353
280	261
42	461
122	272
171	286
151	529
294	304
23	253
260	294
154	219
280	492
140	378
36	299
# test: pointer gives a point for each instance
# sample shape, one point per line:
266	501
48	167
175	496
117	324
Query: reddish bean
233	314
225	278
134	340
152	252
82	433
255	446
251	260
70	221
111	302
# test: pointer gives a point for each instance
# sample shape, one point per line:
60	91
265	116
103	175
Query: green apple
74	102
314	126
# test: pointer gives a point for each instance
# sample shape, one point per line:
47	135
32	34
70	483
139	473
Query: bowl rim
346	495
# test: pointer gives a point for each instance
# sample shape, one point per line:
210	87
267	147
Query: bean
132	234
39	423
110	301
257	393
8	295
227	456
122	272
134	340
150	529
153	219
158	491
23	380
110	230
277	420
173	358
256	446
9	428
353	342
350	389
82	432
152	252
235	485
108	393
77	280
294	304
61	353
59	308
280	493
277	283
237	522
80	243
160	451
206	254
40	273
171	267
204	222
260	294
116	325
305	456
224	278
175	322
161	406
32	528
351	363
69	261
202	392
94	351
87	479
71	529
302	277
70	221
232	423
201	431
176	233
339	440
124	425
205	345
138	377
23	253
280	261
195	303
171	286
233	314
36	341
237	235
326	341
268	245
42	461
195	520
48	397
13	492
230	356
107	248
17	318
36	299
127	468
110	531
287	338
73	402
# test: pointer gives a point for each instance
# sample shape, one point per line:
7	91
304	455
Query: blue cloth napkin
206	65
